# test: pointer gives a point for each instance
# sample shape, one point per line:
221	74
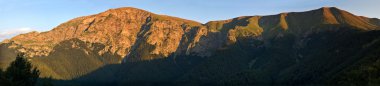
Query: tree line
20	72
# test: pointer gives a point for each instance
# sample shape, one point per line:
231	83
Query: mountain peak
127	9
125	12
328	15
329	8
334	15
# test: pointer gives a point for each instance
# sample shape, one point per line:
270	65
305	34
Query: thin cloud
10	33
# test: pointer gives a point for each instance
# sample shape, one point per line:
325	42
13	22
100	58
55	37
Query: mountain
133	46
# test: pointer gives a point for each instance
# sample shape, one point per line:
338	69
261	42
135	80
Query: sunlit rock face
122	31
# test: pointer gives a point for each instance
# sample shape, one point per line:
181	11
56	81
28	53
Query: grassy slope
5	55
67	62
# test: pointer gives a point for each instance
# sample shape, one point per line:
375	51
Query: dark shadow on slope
166	71
6	55
326	54
153	72
321	59
73	58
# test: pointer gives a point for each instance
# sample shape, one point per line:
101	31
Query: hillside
130	45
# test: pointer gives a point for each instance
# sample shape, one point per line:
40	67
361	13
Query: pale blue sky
42	15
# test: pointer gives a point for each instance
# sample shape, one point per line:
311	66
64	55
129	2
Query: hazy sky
20	16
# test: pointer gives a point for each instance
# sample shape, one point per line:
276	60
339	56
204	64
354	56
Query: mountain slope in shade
320	61
129	35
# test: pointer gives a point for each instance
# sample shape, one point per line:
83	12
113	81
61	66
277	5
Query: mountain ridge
127	35
82	27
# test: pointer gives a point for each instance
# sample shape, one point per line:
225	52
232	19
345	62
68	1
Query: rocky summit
277	45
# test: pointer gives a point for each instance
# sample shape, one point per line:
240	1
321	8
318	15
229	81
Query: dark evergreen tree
3	80
47	81
21	72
